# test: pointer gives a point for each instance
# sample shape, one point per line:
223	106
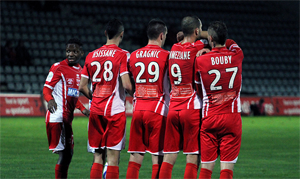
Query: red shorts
147	133
183	131
107	131
221	135
60	136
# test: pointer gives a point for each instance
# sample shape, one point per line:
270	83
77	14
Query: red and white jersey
220	74
181	66
149	67
64	81
104	66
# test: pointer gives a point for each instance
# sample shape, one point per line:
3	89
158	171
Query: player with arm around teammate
149	67
183	121
220	74
106	67
61	93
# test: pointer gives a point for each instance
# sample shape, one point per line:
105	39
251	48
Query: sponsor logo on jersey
70	81
50	76
73	92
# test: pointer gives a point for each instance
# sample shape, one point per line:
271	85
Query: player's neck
190	39
154	42
112	42
218	46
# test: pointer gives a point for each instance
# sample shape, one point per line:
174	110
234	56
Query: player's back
221	78
181	65
104	66
148	66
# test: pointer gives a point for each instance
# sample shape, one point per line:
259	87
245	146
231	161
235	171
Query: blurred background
34	33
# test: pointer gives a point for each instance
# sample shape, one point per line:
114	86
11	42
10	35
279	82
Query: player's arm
51	80
126	83
83	88
204	35
80	106
47	93
197	80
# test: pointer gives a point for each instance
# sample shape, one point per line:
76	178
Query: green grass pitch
270	149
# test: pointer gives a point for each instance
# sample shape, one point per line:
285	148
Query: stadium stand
267	31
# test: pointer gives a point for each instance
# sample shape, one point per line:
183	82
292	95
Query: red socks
226	174
205	173
155	171
191	171
96	171
61	171
112	172
165	170
133	170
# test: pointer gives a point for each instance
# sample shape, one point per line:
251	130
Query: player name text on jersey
104	53
221	60
147	54
180	55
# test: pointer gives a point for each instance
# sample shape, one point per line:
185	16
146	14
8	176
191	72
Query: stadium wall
32	105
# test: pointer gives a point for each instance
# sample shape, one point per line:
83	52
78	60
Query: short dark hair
114	28
218	31
155	27
189	24
75	41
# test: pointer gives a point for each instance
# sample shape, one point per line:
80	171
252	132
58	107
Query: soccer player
106	67
61	93
149	67
220	74
183	121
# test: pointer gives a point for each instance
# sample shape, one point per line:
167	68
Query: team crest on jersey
73	92
70	81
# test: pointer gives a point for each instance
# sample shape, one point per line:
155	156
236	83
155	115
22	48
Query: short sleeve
124	63
54	76
84	72
197	72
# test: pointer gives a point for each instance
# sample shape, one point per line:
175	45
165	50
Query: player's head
74	51
191	25
217	33
114	29
157	30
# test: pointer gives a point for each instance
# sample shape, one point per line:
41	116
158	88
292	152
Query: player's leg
114	140
230	143
155	134
172	144
95	136
209	146
190	120
136	146
206	170
156	164
55	131
226	170
113	163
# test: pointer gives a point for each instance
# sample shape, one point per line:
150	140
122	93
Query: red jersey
220	73
148	66
181	65
104	66
64	81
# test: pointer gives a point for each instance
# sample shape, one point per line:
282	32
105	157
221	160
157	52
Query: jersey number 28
107	74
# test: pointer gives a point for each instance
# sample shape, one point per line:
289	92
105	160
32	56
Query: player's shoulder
58	65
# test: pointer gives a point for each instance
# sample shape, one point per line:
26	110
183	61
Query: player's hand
52	106
86	112
179	36
203	51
